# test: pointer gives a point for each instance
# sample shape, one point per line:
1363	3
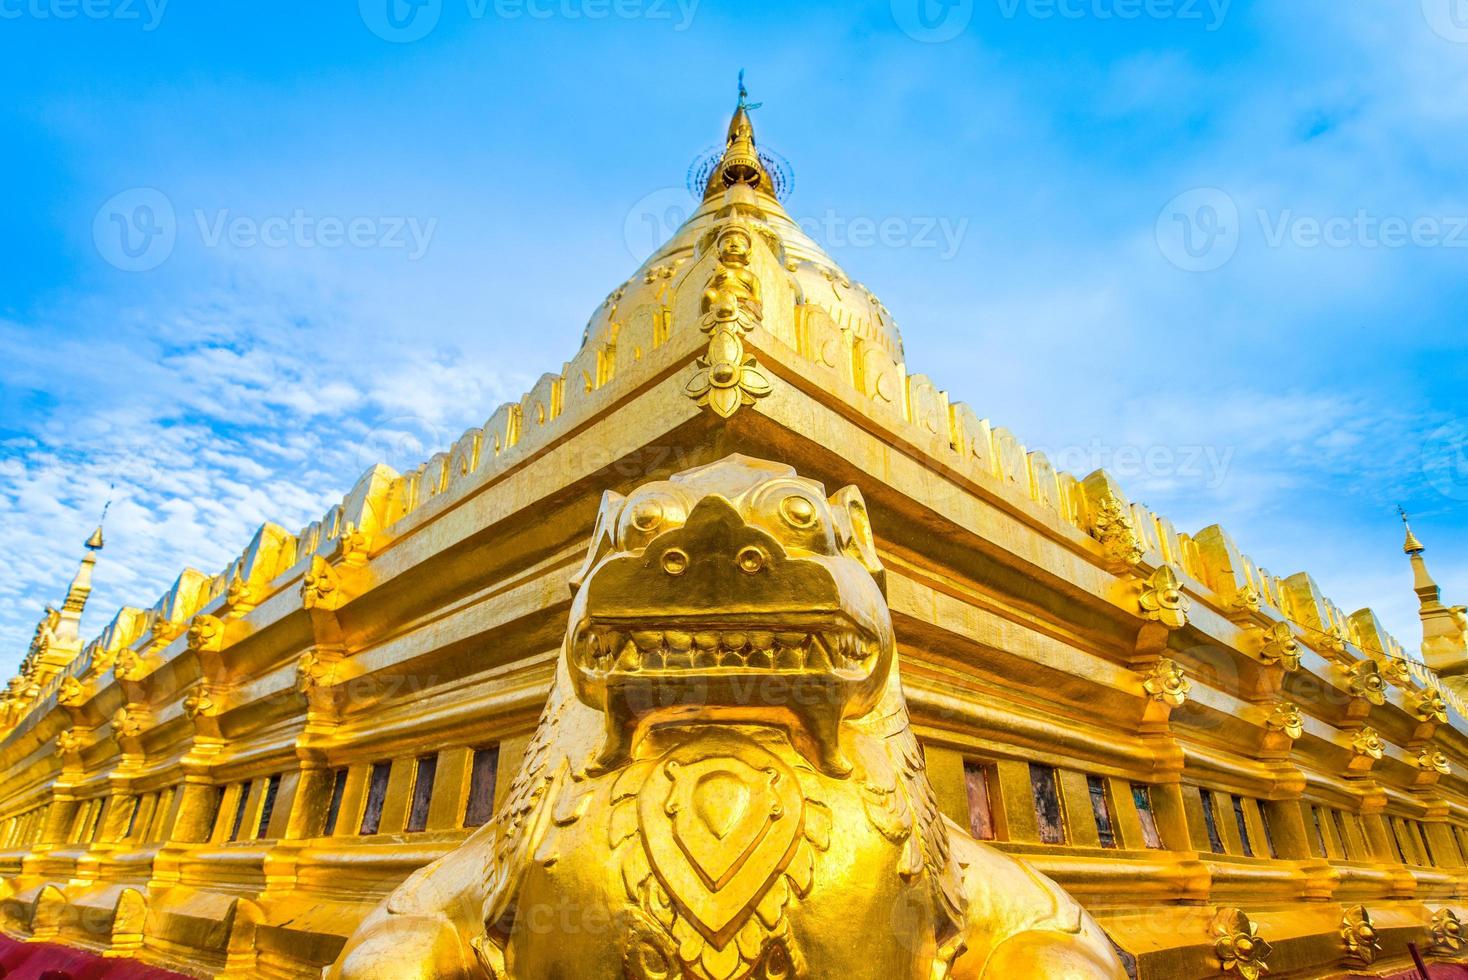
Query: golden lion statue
724	783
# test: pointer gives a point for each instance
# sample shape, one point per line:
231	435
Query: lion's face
732	592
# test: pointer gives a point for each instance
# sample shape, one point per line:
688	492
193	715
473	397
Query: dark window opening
1210	820
423	776
1047	804
239	812
1142	797
1104	830
1340	828
980	811
1243	827
376	795
1268	830
334	807
1319	831
481	786
1396	839
267	809
1426	846
132	817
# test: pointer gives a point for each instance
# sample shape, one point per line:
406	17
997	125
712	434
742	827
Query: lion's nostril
750	559
675	561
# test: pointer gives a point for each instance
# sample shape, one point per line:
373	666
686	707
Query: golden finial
1413	546
741	162
94	543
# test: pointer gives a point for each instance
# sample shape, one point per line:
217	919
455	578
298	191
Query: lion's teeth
762	639
734	641
760	659
678	658
791	639
705	658
678	640
647	640
789	658
706	641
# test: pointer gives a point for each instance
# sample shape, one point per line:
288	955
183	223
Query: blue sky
1216	246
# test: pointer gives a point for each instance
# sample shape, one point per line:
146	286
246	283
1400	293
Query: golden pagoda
847	682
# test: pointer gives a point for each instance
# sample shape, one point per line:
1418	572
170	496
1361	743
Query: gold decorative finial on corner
1412	546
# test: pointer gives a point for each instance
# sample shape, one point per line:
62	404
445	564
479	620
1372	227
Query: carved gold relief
1162	599
728	378
1432	760
198	702
1447	931
70	694
1359	935
1286	718
1239	947
1167	683
1366	681
725	765
1430	706
1368	743
320	586
1114	528
206	634
1280	646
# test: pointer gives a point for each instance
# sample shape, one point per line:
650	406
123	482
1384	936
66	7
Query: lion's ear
603	538
854	532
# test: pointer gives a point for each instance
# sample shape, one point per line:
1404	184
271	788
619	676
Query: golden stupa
395	744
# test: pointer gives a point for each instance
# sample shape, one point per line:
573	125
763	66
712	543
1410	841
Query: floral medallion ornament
728	378
319	586
1244	601
1286	718
198	703
1239	947
1280	646
1430	706
129	666
1431	760
1394	670
69	742
1368	743
239	592
1167	683
1366	681
71	693
1359	935
1117	532
205	633
1447	931
1162	599
127	723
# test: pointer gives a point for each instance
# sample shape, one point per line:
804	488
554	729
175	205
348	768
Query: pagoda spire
1444	633
68	629
740	163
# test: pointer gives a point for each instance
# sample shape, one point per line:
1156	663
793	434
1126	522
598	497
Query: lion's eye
647	515
798	511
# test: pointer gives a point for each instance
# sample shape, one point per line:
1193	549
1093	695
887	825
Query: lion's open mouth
604	650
